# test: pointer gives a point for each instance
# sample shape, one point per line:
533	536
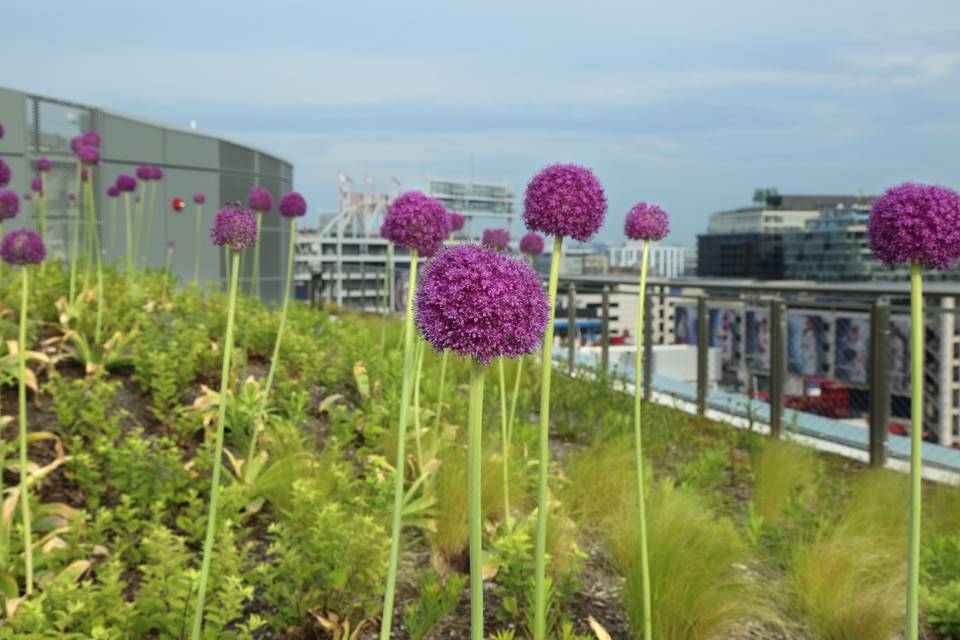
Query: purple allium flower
89	155
156	173
28	196
37	185
531	244
145	173
199	198
496	238
84	174
44	165
9	204
417	222
5	173
91	139
126	183
456	221
646	222
23	246
235	228
481	303
113	191
71	197
565	200
292	205
260	200
916	223
76	143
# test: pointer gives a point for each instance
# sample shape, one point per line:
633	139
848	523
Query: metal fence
822	361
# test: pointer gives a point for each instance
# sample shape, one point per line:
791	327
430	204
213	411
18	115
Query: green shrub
784	472
436	600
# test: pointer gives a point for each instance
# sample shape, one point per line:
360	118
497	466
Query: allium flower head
9	204
417	222
75	143
156	173
234	228
496	238
28	196
916	223
91	139
113	191
37	185
71	197
260	200
566	200
292	205
5	173
456	221
145	173
647	222
23	246
481	303
44	165
199	198
84	175
531	244
126	183
88	155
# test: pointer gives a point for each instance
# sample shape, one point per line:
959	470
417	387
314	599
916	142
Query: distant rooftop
807	202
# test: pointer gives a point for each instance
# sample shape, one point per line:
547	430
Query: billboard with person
758	338
900	354
685	324
853	349
808	343
725	333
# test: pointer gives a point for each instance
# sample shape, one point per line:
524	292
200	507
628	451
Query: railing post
572	326
648	349
879	382
703	355
605	330
778	365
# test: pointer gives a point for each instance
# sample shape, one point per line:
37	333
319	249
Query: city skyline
687	107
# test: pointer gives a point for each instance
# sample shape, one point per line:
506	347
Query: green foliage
601	480
784	473
168	356
436	600
701	582
328	559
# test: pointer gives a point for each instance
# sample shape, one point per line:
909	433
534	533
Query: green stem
388	267
74	215
255	285
138	224
151	213
97	256
416	403
218	453
43	210
916	442
443	377
474	490
196	245
505	444
113	226
129	231
543	460
276	346
406	390
22	400
513	400
641	506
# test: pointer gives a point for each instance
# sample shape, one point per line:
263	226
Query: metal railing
823	361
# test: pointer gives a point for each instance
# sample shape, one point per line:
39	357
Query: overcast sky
690	105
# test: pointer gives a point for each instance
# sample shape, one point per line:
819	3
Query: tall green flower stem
97	252
406	390
276	346
42	214
138	224
128	220
474	490
505	444
113	225
196	246
916	442
417	426
22	401
641	506
151	213
543	466
255	284
443	378
387	270
513	400
73	218
218	450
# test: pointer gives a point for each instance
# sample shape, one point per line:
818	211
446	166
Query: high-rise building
474	199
